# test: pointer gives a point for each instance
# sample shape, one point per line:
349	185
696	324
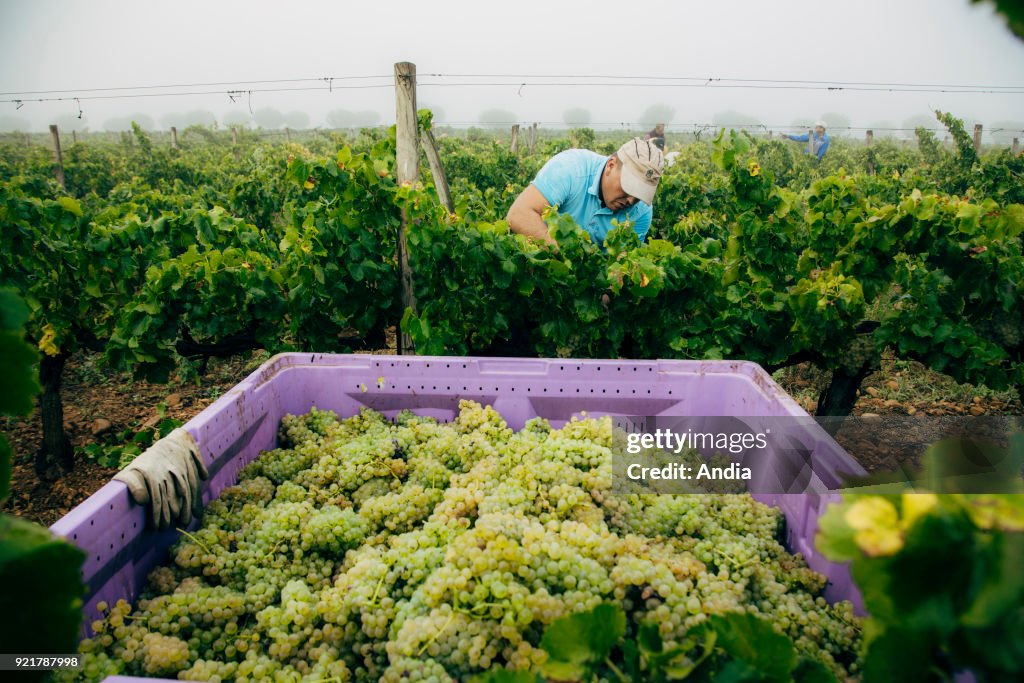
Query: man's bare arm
525	215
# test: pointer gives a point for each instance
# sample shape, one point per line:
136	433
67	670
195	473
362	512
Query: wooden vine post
869	139
977	138
514	147
174	137
58	158
407	159
1016	147
436	170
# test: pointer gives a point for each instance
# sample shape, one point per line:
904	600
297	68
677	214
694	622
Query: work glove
166	477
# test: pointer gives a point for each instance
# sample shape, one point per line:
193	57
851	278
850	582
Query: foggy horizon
884	65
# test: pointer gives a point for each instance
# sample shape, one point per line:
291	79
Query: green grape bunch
366	550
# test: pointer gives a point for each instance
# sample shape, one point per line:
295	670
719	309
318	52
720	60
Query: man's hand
526	215
166	476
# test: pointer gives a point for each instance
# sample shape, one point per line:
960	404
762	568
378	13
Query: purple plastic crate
120	550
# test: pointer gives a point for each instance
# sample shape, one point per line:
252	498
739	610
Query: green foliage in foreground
40	578
939	570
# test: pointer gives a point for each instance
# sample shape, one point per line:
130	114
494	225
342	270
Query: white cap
820	124
642	164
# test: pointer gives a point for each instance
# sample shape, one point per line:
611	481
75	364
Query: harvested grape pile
369	550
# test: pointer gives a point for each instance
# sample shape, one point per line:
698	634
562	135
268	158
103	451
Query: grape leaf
576	643
812	671
18	383
47	573
835	537
899	655
753	645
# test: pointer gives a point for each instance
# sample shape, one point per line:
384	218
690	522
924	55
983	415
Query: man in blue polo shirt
818	143
593	189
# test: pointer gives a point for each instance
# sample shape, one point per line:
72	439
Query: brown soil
903	409
90	393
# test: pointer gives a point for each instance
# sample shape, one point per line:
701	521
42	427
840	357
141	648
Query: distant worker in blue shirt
593	189
819	144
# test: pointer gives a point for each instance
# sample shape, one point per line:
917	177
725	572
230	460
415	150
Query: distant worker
593	189
819	144
657	136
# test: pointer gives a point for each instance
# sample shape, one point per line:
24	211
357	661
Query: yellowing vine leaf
46	344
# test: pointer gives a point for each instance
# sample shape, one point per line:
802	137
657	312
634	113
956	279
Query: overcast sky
48	45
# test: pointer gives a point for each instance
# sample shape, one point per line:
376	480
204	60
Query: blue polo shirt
820	145
571	181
